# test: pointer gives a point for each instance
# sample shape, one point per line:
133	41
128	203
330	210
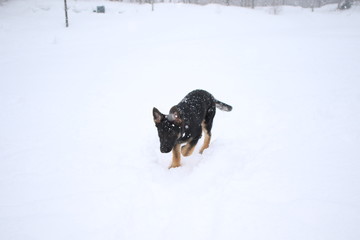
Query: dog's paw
174	165
205	146
187	150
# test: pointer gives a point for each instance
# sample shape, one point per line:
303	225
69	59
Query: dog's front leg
188	149
176	156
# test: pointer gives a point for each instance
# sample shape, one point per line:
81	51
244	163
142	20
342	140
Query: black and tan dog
186	122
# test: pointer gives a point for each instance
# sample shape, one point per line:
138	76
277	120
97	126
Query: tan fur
176	157
206	139
187	149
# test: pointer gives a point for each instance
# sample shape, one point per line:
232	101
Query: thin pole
66	15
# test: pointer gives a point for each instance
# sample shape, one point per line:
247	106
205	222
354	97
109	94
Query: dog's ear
175	116
158	116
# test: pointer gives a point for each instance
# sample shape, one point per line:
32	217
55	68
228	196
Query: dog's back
198	101
197	111
195	105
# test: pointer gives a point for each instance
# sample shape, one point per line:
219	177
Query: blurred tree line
246	3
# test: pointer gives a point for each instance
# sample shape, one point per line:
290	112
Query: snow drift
79	153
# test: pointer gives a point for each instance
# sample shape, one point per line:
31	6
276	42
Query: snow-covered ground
79	153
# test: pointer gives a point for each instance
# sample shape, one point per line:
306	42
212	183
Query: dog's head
169	128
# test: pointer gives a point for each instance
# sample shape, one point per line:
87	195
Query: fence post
66	15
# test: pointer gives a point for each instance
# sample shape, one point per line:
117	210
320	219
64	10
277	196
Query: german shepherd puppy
185	124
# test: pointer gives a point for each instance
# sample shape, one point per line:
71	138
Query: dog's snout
165	149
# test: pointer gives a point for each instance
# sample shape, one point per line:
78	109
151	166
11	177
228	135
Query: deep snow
79	153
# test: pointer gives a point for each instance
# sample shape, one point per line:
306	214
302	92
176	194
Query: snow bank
79	154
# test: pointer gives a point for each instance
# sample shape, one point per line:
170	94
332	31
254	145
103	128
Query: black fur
186	122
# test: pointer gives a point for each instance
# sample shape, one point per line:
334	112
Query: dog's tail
223	106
